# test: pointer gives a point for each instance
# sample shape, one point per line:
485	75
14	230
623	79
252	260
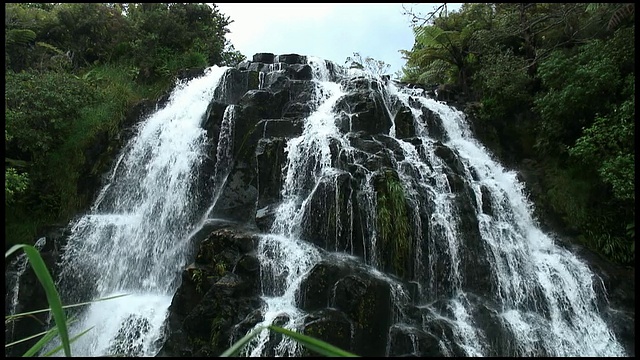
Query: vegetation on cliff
72	72
552	83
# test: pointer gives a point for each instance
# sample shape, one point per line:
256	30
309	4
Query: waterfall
17	268
526	266
540	298
384	226
134	239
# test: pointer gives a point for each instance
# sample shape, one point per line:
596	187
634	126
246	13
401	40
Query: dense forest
548	85
72	72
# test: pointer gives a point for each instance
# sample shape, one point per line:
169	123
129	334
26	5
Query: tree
368	64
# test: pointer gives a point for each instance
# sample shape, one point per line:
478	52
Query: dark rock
271	158
258	66
291	59
264	57
330	215
404	124
243	65
367	110
409	341
234	84
279	128
433	123
487	207
218	298
237	201
299	72
364	299
328	325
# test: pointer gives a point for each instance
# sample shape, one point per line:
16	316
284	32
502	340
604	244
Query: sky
331	31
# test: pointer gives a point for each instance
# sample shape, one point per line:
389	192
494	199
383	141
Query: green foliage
40	110
449	40
608	145
392	225
166	31
580	85
14	184
503	76
231	56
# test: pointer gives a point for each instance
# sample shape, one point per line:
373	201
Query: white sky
329	31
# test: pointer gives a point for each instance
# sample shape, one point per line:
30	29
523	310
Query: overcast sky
329	31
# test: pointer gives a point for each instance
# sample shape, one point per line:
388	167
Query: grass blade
26	339
235	348
40	268
49	335
316	345
57	348
11	317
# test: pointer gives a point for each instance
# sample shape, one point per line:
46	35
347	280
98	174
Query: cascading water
393	228
135	238
541	297
526	266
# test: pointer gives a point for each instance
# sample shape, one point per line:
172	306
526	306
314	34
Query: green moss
221	269
253	81
394	237
218	324
197	277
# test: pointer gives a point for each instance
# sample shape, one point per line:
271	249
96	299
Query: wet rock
404	123
219	291
408	341
367	110
237	201
271	158
330	215
264	57
291	59
364	299
328	325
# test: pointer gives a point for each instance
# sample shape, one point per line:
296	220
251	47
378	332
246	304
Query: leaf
40	269
316	345
11	317
235	348
55	350
19	36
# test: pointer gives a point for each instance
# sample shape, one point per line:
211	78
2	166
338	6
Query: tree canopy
72	70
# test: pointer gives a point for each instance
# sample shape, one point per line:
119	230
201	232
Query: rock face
393	293
385	239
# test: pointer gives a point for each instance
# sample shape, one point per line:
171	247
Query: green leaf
12	317
316	345
40	269
56	349
235	348
49	335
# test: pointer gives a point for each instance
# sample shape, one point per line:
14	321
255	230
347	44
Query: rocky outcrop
218	296
346	303
390	279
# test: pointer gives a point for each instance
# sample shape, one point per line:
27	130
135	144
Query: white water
134	240
19	266
136	234
285	258
524	258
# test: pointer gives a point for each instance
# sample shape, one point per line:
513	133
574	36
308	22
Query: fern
19	37
50	47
